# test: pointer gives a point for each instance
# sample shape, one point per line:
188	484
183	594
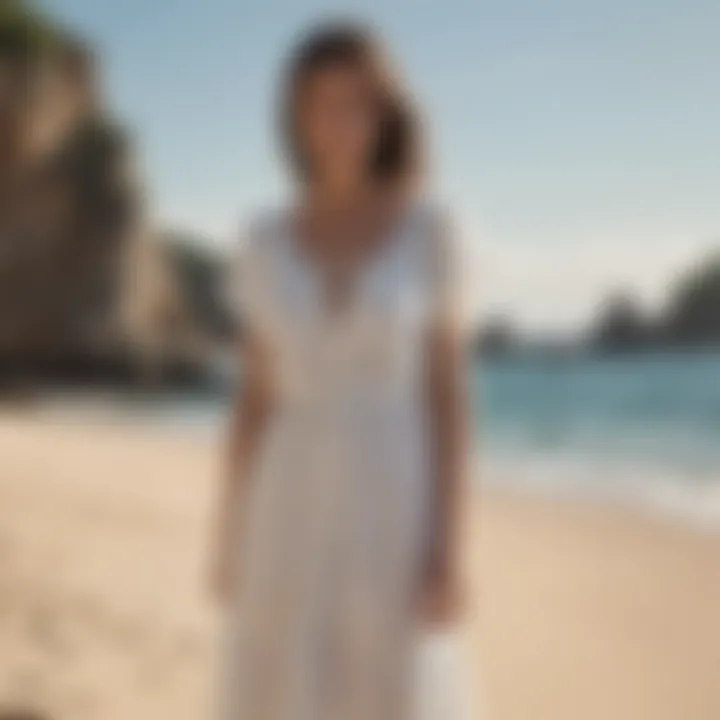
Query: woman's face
338	124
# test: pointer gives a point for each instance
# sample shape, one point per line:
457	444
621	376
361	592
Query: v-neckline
388	242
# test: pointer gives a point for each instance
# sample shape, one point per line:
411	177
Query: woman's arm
443	589
248	422
447	393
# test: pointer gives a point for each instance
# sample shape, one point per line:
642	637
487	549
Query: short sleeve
454	274
245	279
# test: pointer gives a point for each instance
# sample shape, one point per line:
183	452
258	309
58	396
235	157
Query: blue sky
578	141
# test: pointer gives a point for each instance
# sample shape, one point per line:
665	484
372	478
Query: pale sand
584	613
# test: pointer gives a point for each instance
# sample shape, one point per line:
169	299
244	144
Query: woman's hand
443	598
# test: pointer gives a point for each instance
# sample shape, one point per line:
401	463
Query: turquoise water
662	410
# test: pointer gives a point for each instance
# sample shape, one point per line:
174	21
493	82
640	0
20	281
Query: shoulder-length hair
396	159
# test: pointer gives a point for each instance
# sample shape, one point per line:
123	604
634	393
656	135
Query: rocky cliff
85	286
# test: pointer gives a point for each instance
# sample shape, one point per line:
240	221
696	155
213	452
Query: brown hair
396	159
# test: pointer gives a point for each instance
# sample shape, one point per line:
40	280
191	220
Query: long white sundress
334	535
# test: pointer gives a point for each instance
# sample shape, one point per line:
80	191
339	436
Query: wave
657	488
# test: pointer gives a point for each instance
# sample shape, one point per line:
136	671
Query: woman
340	521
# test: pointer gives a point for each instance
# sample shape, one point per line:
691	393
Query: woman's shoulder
433	217
434	223
264	226
261	236
253	260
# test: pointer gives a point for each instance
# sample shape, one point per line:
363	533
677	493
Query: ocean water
659	409
643	430
640	429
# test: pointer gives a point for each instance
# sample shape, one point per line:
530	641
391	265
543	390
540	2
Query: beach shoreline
583	609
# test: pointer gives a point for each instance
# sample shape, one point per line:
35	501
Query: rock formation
85	287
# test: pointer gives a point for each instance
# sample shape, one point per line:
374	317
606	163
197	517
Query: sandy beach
583	612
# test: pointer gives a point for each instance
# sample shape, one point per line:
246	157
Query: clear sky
578	141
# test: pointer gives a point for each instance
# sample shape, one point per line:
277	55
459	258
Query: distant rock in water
497	338
693	317
690	320
621	326
87	289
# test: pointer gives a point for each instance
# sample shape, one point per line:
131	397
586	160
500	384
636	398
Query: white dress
333	538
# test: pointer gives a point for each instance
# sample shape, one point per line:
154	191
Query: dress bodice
370	351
